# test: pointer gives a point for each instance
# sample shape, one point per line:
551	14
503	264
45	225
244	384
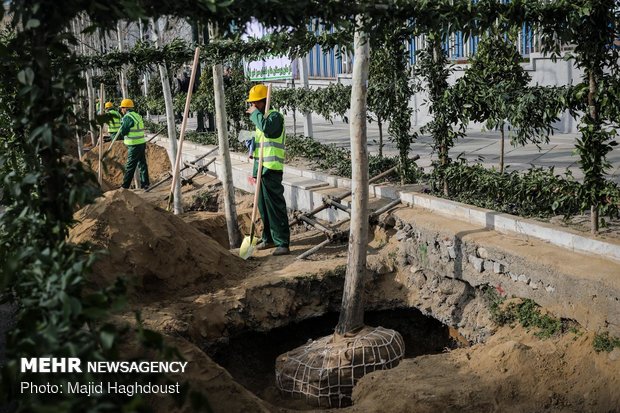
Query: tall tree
496	80
434	69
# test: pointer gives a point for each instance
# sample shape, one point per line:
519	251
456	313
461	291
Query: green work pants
136	157
272	207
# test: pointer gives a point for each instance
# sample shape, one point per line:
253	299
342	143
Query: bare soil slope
156	159
160	252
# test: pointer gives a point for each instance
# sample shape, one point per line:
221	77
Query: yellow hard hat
127	103
258	92
108	105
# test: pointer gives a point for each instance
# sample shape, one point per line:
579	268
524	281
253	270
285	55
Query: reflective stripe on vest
136	133
115	123
273	149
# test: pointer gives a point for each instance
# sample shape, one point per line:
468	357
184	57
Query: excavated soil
114	164
157	251
206	299
514	371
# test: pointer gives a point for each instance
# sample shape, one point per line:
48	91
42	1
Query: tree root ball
324	371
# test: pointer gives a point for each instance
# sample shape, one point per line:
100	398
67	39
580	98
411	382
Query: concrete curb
505	223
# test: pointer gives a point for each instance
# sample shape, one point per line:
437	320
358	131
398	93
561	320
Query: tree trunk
123	82
501	149
303	76
380	124
294	111
352	308
230	210
443	155
177	205
90	91
594	115
145	76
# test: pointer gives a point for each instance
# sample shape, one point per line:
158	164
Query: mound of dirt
156	159
161	254
513	372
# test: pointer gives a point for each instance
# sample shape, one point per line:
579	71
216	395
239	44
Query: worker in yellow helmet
114	123
271	203
132	129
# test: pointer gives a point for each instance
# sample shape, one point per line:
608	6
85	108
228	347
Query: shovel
248	246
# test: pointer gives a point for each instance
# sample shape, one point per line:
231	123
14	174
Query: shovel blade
247	247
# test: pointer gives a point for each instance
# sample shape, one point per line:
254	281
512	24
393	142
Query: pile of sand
156	159
160	254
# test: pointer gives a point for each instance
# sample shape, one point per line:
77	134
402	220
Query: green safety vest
136	133
273	149
115	123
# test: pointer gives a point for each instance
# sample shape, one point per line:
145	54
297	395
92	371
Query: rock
476	262
513	276
550	288
483	253
408	228
614	354
399	224
524	278
499	268
488	265
383	269
534	285
389	222
452	252
401	235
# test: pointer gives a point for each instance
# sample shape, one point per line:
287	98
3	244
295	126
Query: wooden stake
177	163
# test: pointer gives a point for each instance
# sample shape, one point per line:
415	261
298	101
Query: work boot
264	245
281	251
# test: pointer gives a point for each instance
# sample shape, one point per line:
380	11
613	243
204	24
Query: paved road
476	146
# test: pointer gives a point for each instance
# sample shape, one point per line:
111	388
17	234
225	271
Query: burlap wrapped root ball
324	371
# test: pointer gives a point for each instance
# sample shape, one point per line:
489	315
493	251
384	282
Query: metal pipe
341	196
385	208
338	205
315	224
313	250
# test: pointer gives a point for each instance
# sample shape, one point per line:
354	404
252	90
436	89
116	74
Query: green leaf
26	76
32	23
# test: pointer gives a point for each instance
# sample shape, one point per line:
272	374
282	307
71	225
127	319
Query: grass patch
605	342
525	312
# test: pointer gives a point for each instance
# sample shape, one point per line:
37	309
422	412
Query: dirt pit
250	357
244	314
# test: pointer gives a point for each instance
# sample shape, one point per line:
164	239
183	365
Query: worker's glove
250	145
251	180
